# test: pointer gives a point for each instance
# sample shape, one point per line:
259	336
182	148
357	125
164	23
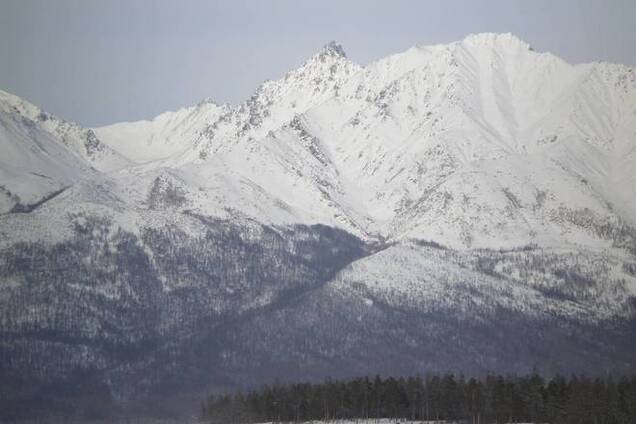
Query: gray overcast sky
98	62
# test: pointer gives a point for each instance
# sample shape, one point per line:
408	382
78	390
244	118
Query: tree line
493	399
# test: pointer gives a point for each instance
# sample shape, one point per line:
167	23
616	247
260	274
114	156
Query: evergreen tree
495	399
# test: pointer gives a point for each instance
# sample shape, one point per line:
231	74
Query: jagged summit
330	52
328	55
333	48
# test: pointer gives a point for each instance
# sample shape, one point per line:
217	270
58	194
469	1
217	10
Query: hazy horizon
103	62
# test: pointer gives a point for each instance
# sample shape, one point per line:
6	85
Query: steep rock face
463	207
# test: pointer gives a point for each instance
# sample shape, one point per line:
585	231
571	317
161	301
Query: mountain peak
492	39
333	49
330	53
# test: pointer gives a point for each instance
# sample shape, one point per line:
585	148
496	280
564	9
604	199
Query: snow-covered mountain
473	201
479	143
42	155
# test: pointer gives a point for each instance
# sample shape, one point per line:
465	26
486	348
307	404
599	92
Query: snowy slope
42	154
33	164
165	135
81	142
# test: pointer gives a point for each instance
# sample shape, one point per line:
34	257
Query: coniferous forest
493	399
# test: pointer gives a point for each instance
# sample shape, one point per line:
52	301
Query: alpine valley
468	207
